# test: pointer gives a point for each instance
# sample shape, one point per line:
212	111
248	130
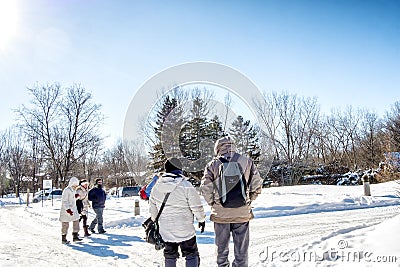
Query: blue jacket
150	185
98	197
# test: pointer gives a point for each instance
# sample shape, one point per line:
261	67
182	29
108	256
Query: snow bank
295	200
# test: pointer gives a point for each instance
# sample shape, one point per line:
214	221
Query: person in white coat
69	212
176	220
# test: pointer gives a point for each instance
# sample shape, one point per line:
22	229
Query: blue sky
342	52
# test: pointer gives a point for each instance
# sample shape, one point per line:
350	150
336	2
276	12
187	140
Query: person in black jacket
98	197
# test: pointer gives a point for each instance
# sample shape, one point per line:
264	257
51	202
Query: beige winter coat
83	195
224	147
69	202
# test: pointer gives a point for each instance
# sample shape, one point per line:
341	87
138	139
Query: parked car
130	191
267	182
195	182
47	194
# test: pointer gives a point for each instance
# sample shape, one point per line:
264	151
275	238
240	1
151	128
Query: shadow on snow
101	247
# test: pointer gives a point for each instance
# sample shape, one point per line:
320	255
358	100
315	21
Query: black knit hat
173	164
83	181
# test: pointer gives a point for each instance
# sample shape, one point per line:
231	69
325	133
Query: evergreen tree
166	131
215	129
194	131
194	136
246	138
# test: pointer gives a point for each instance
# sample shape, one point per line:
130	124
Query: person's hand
76	195
201	226
69	211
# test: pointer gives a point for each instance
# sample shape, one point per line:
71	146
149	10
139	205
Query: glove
201	226
69	211
76	195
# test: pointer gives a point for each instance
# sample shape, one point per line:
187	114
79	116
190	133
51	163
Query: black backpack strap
235	157
165	199
162	206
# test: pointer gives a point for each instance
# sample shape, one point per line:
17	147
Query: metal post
27	197
137	207
367	189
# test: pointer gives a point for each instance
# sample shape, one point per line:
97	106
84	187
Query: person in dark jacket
98	197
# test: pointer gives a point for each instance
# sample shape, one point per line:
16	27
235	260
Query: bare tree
91	164
306	127
346	127
320	142
268	114
393	127
370	144
67	123
291	123
136	160
228	105
16	157
4	183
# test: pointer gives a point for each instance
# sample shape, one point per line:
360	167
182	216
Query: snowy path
34	239
288	233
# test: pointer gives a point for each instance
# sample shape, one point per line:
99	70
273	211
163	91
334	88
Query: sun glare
8	21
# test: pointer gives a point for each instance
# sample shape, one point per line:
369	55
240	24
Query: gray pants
241	238
98	220
65	226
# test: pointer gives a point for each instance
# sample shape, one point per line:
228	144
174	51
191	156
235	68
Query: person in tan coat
235	218
82	204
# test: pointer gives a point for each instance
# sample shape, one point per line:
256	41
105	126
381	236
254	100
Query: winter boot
85	229
64	239
76	237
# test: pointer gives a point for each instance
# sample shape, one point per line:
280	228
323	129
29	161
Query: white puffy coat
69	202
176	220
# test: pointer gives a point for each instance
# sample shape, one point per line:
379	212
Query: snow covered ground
309	225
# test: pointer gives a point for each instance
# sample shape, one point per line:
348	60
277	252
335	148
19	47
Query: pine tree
246	138
215	129
195	130
192	138
166	131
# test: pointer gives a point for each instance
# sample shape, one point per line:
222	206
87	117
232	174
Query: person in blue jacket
151	184
98	197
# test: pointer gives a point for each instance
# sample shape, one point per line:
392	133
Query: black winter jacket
98	197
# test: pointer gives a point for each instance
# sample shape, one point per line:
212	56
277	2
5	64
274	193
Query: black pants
189	251
84	218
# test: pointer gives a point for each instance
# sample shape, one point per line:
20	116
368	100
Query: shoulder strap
162	205
165	200
235	157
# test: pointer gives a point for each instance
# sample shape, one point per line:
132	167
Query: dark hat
98	180
173	164
83	181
